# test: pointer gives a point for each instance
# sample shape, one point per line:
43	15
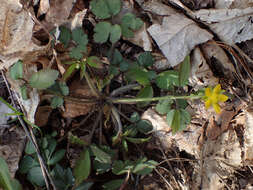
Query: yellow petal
217	89
222	98
208	92
208	103
216	108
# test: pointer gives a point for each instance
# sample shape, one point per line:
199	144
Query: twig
94	126
123	89
119	124
125	181
165	180
32	138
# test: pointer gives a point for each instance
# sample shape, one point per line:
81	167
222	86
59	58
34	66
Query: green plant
29	164
6	182
105	9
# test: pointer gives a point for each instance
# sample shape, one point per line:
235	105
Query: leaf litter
212	141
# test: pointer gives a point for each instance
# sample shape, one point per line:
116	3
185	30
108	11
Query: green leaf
168	79
16	185
184	71
26	164
23	90
139	75
101	167
173	119
82	167
115	33
185	119
56	102
144	126
178	119
52	145
100	155
105	8
102	31
6	181
59	87
114	6
76	140
84	186
35	176
65	35
129	23
113	70
43	78
135	117
117	57
64	88
146	92
124	66
16	70
137	140
76	53
144	167
113	184
182	104
119	167
80	37
29	149
69	71
93	61
145	59
56	157
164	106
152	75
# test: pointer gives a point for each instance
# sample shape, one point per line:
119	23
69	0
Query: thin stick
165	180
31	137
123	89
135	100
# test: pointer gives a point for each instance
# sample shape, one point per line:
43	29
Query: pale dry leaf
77	21
142	39
59	11
11	147
29	106
248	138
44	7
177	36
231	25
200	75
231	4
156	7
16	34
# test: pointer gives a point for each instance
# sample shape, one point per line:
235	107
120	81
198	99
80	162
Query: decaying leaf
231	25
16	33
201	75
231	4
78	89
11	147
59	11
44	7
177	36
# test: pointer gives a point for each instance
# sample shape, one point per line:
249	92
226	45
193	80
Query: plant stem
172	97
91	85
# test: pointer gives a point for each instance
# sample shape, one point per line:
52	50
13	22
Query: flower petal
222	98
208	92
216	108
217	89
208	103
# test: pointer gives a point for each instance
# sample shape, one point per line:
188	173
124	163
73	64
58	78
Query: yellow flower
213	97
